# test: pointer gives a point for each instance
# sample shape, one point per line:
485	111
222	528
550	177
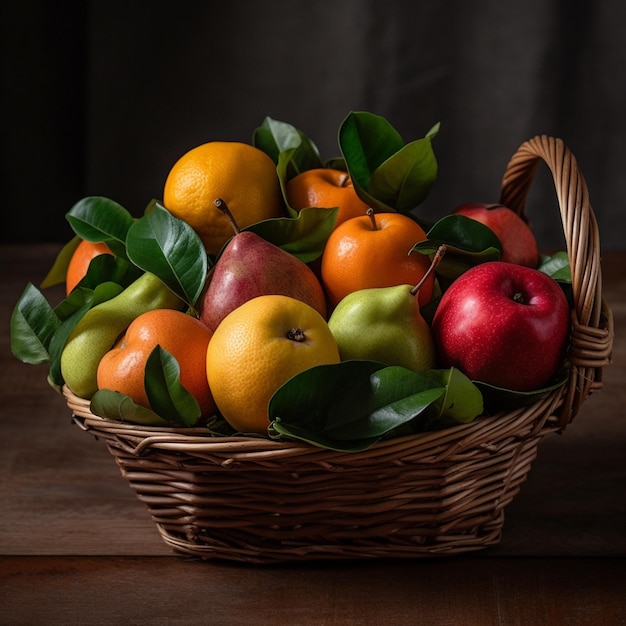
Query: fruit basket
440	493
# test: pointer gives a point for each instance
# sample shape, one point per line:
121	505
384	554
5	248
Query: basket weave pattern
260	501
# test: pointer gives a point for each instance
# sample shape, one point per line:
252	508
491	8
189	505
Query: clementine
258	347
185	337
243	176
80	260
326	188
373	251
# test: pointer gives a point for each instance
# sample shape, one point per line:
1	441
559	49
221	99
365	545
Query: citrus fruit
238	173
373	251
326	188
183	336
80	260
258	347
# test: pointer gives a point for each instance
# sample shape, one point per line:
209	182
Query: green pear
385	324
98	330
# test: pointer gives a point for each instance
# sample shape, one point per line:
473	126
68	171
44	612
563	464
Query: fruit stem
223	207
296	334
441	250
370	213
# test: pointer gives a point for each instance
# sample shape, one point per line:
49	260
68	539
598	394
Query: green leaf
71	311
168	247
499	399
467	241
462	401
106	268
303	236
279	139
115	406
96	218
557	266
387	174
350	405
33	324
405	179
166	394
57	273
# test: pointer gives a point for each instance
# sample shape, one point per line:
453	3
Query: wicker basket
440	493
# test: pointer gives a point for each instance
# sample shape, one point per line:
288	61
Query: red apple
503	324
518	241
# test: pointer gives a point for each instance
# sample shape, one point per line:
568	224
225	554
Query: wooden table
76	547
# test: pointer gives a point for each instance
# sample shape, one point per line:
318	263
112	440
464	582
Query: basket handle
592	322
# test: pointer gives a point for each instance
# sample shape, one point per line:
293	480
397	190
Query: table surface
76	546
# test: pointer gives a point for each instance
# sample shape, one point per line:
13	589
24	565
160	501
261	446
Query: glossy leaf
387	174
107	268
467	241
499	399
556	266
279	139
118	407
166	394
33	324
404	180
96	218
303	236
57	273
71	311
351	405
462	401
168	247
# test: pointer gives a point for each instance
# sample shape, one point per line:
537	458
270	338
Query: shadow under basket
436	494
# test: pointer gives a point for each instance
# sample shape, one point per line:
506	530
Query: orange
258	347
185	337
80	260
373	251
243	176
326	188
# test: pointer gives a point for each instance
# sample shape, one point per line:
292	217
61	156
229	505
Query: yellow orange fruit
183	336
238	173
258	347
80	260
373	251
326	188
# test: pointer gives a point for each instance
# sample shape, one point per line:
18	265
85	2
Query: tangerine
241	174
80	260
326	188
374	251
258	347
183	336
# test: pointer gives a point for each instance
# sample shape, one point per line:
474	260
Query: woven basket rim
538	417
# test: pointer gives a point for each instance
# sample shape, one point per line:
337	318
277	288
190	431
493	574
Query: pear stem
223	207
441	250
370	213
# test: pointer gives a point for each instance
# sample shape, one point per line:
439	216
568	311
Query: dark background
101	98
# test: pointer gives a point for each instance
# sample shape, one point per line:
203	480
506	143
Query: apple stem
296	334
370	213
441	250
223	207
